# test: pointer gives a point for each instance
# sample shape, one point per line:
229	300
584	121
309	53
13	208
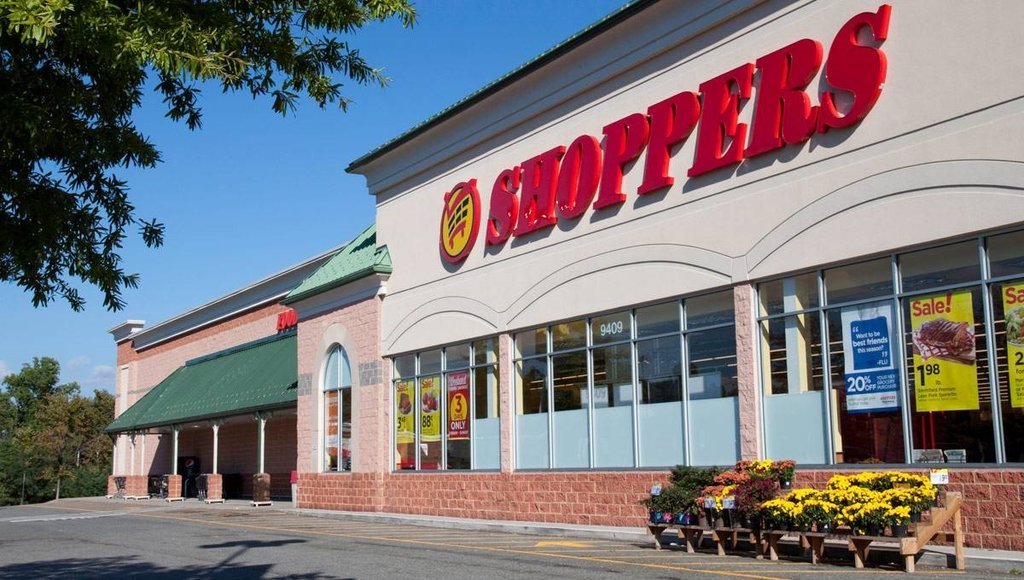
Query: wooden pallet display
692	534
766	541
923	534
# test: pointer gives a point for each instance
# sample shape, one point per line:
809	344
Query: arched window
337	412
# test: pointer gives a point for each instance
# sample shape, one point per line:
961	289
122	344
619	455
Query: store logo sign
287	319
460	221
561	184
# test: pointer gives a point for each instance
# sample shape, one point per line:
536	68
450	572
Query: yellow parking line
675	568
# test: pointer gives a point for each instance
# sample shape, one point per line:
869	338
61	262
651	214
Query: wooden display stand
767	540
690	534
923	534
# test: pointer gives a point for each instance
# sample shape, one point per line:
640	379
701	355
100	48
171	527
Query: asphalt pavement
100	538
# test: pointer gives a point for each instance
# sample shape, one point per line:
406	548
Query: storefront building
209	396
695	233
706	231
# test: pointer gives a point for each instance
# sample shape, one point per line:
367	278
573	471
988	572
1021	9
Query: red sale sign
458	405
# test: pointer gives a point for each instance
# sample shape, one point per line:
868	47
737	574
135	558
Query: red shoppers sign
458	405
561	184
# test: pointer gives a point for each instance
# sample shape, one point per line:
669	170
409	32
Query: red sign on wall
458	405
560	184
287	319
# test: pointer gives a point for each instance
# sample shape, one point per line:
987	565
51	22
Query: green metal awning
247	378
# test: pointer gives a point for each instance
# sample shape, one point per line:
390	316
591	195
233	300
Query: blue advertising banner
871	381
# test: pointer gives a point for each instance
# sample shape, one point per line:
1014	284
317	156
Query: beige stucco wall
938	156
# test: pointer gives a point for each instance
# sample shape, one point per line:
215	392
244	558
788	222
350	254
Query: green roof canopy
258	375
359	258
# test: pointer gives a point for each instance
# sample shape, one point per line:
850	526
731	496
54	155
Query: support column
216	444
174	483
507	411
142	458
174	450
747	374
131	470
261	480
214	482
261	440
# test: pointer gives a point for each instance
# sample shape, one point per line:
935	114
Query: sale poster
1013	307
870	375
458	405
945	367
405	421
430	416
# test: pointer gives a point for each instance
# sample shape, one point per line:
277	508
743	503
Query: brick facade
993	507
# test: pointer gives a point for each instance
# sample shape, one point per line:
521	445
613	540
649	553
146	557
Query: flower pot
899	530
709	515
915	516
666	517
653	516
824	528
681	518
873	530
785	485
727	518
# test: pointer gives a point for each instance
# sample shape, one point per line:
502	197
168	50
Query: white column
174	452
131	470
216	444
113	459
262	418
142	457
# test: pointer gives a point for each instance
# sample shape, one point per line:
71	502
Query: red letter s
856	69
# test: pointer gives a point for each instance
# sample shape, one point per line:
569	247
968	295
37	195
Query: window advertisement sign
945	367
405	421
1013	307
430	418
458	405
870	375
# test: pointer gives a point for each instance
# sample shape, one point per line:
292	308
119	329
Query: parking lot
114	538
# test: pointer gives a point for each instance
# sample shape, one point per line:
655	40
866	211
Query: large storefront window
337	412
446	408
865	395
617	391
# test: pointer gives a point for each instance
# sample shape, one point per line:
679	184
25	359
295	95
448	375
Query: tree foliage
51	437
71	73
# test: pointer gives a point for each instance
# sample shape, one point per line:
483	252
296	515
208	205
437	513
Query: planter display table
690	534
921	535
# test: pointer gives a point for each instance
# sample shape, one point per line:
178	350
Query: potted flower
898	518
687	485
655	504
867	519
710	501
784	471
749	497
819	513
777	514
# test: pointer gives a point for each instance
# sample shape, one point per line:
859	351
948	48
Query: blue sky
253	193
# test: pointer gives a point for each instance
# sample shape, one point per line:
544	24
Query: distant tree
49	434
72	73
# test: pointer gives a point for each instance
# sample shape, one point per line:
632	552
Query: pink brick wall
993	510
357	328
